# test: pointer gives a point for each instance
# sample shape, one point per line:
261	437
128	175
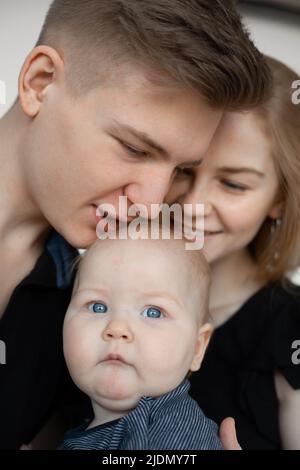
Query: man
114	99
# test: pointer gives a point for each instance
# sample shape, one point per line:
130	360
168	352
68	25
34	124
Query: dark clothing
172	421
34	376
237	375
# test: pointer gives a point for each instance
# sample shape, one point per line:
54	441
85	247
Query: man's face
125	138
135	301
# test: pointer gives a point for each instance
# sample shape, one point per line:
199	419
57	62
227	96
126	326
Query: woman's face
236	182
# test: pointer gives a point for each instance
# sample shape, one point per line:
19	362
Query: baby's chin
124	405
116	395
116	401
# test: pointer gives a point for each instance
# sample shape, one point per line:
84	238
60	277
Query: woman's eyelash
234	186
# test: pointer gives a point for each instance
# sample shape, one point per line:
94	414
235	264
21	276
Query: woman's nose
207	209
196	196
117	329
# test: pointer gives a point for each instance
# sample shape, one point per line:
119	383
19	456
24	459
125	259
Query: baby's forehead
143	260
142	267
123	252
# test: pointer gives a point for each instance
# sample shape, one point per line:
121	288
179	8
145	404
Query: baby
136	326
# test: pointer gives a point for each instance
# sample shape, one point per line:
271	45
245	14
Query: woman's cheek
241	217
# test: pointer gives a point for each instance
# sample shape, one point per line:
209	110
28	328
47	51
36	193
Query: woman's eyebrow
242	169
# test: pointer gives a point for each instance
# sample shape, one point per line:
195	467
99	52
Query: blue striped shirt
172	421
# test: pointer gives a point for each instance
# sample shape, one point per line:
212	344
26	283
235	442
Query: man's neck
20	219
234	280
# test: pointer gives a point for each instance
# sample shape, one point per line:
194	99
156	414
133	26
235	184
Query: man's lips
100	215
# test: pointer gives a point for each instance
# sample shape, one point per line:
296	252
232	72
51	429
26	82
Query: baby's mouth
115	359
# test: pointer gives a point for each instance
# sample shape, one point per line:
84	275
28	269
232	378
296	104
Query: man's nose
118	329
150	191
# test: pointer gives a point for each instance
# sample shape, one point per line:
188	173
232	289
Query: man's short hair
196	43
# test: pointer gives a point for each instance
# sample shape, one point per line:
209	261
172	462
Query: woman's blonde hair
277	251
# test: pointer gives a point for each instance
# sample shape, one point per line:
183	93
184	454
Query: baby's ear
204	335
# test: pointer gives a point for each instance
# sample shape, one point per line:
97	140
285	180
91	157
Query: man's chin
81	237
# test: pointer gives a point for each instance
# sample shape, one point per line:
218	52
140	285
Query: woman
249	183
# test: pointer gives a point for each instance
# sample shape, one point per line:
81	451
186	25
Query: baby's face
132	327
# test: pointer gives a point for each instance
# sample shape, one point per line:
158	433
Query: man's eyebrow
241	169
144	137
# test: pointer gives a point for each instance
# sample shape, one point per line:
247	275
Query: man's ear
42	66
204	335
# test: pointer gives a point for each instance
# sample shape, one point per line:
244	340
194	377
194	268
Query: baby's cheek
74	344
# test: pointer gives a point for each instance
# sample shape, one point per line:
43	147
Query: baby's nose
117	330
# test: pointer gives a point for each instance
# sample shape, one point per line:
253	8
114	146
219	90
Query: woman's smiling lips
208	233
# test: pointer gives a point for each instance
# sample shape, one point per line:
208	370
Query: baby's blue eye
97	307
152	312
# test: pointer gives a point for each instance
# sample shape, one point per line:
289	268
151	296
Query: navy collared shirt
172	421
34	376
